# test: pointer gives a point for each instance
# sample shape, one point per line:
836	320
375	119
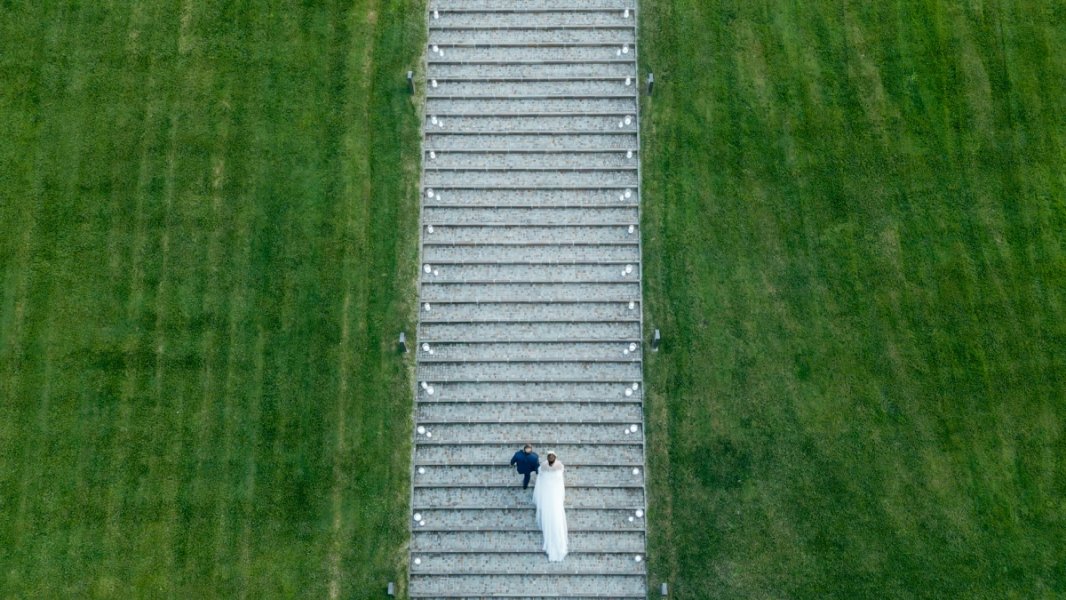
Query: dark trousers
525	480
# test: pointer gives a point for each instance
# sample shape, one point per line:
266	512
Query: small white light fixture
629	154
629	268
429	391
625	48
638	558
429	228
636	386
632	305
630	519
635	471
425	347
429	434
625	13
629	81
427	307
629	119
432	155
433	119
430	192
418	516
633	428
427	268
436	14
628	191
433	83
421	430
627	431
418	561
422	470
621	124
632	346
625	352
422	523
632	228
629	393
436	48
425	386
442	53
640	513
436	272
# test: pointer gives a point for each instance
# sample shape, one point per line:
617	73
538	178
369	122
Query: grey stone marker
402	345
651	83
656	339
392	589
411	81
663	589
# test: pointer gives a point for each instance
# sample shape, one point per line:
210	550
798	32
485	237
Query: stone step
617	159
505	475
524	562
538	391
531	87
445	106
588	412
519	433
430	455
523	18
524	519
514	496
433	293
528	332
562	273
528	371
490	35
525	234
612	68
614	586
531	179
532	198
443	141
523	541
532	311
553	124
434	253
531	4
596	351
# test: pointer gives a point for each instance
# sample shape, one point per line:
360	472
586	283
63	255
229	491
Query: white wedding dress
548	494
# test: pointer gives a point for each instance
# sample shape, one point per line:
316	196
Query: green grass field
855	245
203	281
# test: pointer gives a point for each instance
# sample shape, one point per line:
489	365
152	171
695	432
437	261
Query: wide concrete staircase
530	323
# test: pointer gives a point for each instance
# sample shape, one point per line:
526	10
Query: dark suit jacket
526	463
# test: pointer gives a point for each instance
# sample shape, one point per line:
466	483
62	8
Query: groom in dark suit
527	463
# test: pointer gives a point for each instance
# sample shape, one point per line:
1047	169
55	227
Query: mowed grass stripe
855	248
188	444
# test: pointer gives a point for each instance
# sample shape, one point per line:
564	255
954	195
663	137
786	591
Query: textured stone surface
542	254
529	411
531	392
534	197
507	106
529	299
582	562
509	541
439	138
629	454
529	160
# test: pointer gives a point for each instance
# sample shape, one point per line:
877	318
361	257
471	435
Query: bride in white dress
549	493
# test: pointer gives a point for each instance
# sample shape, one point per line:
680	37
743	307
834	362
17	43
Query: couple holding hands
549	492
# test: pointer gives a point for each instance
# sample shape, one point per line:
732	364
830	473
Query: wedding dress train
548	494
